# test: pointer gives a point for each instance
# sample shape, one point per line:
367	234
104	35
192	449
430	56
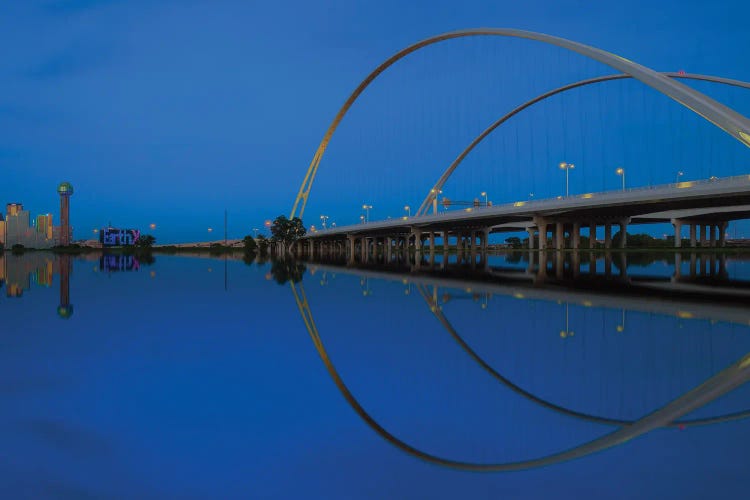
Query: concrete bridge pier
575	236
723	233
702	235
592	235
541	224
559	240
624	231
607	235
531	232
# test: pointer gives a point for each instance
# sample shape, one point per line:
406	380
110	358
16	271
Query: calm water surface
195	377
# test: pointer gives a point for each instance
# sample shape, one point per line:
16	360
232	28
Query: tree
287	231
513	241
262	242
250	245
145	241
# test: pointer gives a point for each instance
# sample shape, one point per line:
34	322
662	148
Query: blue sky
171	111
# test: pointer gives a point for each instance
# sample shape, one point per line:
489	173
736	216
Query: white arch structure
432	194
733	123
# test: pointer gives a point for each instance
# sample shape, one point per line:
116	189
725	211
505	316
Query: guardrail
584	196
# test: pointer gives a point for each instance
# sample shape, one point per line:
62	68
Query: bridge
704	207
698	209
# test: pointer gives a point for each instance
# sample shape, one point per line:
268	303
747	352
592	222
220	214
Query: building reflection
20	273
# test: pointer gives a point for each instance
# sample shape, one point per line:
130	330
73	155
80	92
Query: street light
531	196
484	193
434	195
323	219
679	174
152	226
567	167
621	172
407	209
367	208
210	229
255	230
362	219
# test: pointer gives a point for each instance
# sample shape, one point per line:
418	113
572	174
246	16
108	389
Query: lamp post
255	230
567	167
435	194
621	172
680	173
407	209
323	220
367	208
362	219
484	193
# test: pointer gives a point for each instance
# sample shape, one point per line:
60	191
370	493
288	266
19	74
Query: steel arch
599	79
733	123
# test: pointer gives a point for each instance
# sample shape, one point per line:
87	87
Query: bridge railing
584	196
610	192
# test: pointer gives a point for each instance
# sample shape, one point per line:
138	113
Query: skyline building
13	208
18	228
65	190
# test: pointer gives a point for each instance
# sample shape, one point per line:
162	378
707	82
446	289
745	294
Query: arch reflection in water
671	414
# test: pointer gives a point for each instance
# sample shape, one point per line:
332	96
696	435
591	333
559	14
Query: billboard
114	237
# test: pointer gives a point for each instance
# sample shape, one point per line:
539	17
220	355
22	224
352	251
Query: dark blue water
194	377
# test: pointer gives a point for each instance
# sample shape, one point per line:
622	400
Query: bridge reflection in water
689	287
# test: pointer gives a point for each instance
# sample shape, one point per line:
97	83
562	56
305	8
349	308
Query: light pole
621	172
255	230
435	199
407	209
367	208
484	193
679	174
362	219
567	167
531	196
323	220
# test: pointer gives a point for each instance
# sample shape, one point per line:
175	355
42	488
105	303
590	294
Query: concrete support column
575	237
692	235
559	236
541	224
607	235
702	230
592	235
417	239
712	235
723	233
530	231
485	240
473	244
432	242
624	232
677	232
